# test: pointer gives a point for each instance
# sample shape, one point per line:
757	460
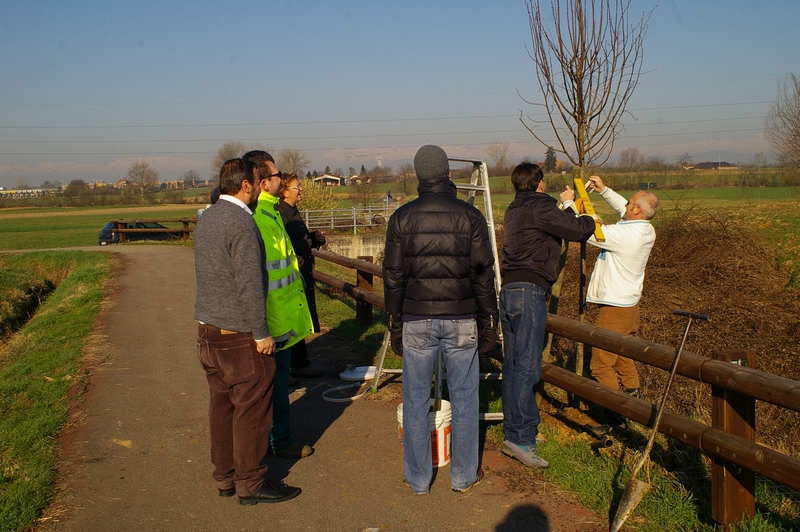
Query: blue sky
88	87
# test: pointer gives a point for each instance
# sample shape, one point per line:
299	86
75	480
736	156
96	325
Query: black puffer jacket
438	259
533	227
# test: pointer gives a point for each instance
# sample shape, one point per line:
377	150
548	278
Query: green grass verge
37	367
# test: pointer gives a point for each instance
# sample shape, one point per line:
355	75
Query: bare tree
142	178
587	61
630	159
293	161
366	194
407	177
498	152
230	150
684	160
758	160
191	178
782	125
587	65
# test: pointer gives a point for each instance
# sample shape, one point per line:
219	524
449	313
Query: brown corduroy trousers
609	368
240	381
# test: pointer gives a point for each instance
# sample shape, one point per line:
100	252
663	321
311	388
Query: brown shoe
295	450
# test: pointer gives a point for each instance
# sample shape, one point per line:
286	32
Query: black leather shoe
271	491
306	372
230	492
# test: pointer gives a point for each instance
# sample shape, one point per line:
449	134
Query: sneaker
412	489
306	372
632	391
295	450
478	480
526	454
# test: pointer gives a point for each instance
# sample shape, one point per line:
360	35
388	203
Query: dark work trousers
299	350
240	381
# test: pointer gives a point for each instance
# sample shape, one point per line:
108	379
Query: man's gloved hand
396	334
317	239
579	205
487	340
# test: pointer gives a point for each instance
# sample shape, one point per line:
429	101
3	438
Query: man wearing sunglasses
287	309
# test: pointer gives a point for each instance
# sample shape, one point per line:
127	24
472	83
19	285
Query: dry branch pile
709	264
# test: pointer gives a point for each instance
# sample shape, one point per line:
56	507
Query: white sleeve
614	200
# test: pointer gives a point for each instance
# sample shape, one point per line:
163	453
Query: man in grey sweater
234	344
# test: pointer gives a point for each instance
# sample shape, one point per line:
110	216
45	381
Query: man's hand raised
567	195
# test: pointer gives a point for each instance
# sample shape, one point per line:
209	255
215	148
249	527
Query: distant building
708	165
330	180
23	192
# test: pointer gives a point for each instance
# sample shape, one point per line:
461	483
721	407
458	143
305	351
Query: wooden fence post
732	487
364	281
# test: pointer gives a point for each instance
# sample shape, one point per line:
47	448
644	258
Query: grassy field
38	365
34	228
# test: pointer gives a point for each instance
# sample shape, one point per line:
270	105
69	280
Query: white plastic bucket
440	432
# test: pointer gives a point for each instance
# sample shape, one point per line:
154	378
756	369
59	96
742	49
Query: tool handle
691	315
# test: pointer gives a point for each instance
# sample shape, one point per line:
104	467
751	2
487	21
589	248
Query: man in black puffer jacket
438	273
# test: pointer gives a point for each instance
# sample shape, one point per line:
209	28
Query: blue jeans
458	341
281	435
523	315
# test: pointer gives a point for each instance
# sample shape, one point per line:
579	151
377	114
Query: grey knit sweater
230	265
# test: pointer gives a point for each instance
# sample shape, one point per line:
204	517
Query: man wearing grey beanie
438	273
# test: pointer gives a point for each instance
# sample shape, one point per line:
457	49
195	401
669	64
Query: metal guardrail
355	218
735	387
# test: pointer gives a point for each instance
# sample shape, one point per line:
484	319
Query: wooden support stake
733	487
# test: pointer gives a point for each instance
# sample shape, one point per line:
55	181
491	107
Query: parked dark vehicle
110	235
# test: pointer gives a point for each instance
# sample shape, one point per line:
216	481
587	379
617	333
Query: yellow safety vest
287	307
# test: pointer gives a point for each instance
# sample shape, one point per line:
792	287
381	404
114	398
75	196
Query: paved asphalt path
137	450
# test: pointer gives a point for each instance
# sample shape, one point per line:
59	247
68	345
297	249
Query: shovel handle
645	456
691	315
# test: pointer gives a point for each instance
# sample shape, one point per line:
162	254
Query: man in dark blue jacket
533	228
438	273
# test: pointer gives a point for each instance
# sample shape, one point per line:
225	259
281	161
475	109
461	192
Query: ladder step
466	186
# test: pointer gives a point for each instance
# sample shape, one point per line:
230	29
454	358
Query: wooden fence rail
735	387
186	229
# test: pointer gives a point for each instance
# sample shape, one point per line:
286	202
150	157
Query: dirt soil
136	450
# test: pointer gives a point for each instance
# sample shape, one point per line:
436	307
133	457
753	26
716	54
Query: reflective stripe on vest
282	263
279	264
283	281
